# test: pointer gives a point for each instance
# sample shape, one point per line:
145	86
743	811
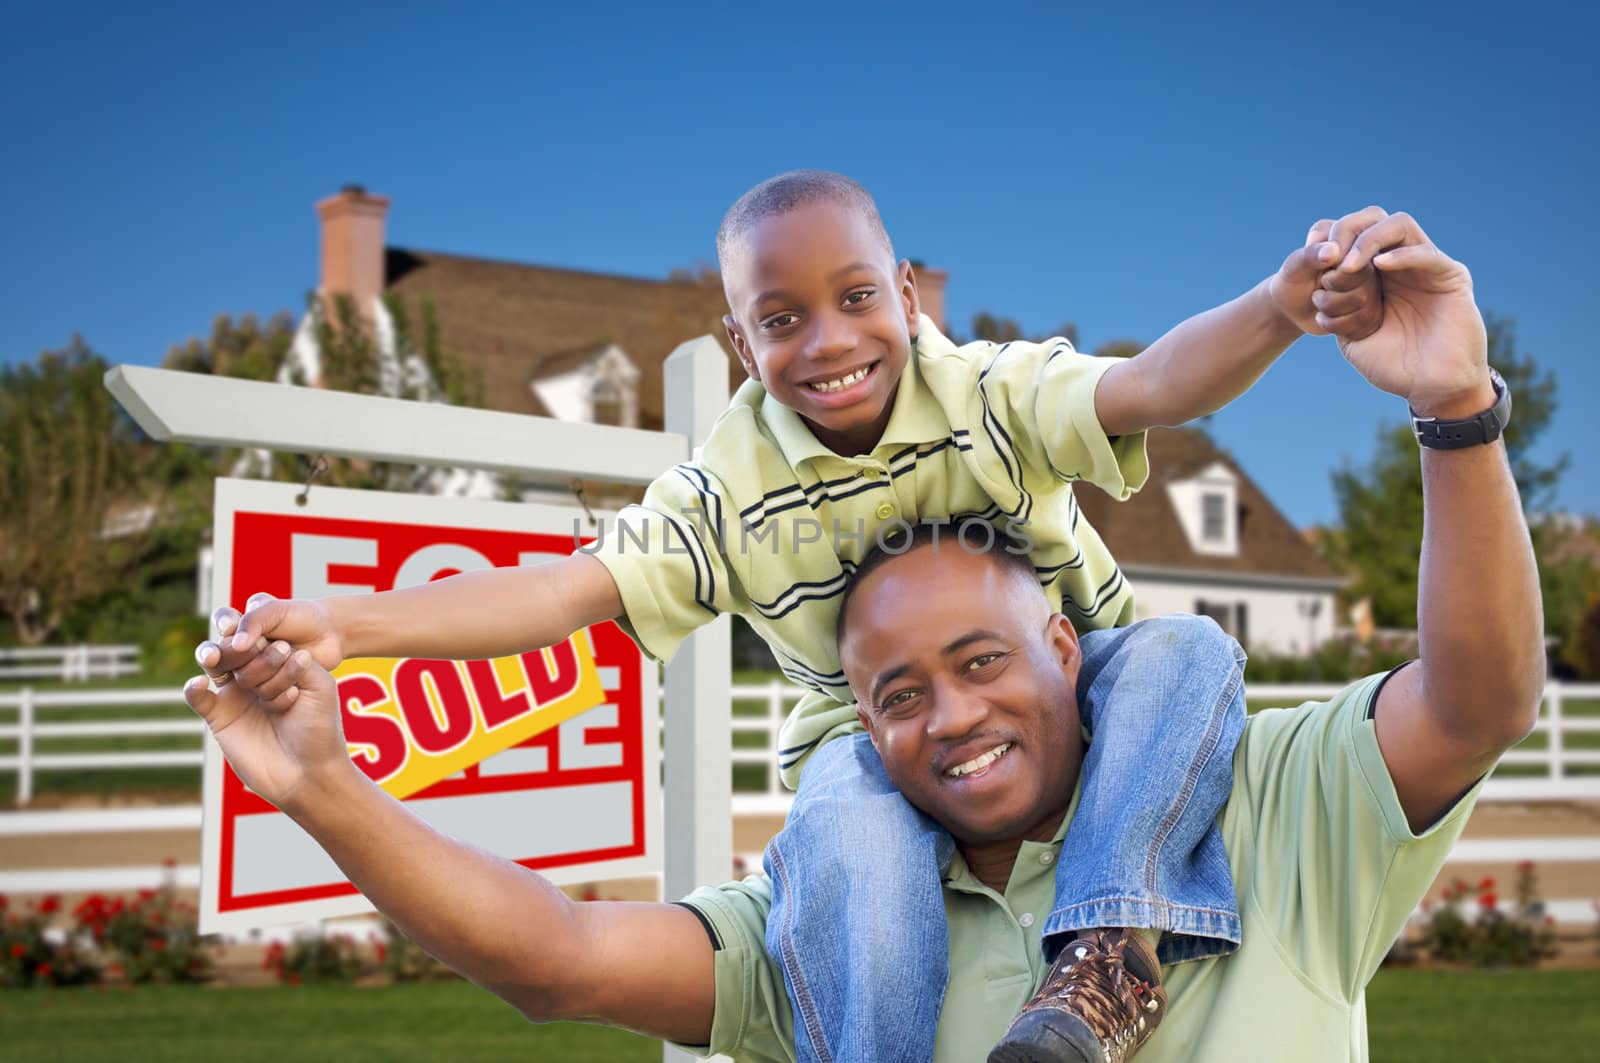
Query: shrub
317	958
1340	658
1490	938
406	961
153	938
31	954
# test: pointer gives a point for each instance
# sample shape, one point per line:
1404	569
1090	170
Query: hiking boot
1101	1000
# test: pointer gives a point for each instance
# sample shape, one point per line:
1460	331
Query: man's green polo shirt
768	523
1327	871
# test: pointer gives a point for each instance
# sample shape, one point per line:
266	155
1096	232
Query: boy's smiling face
822	317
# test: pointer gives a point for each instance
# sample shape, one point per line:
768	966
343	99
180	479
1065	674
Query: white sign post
186	407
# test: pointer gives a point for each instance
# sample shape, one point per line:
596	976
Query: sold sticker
410	722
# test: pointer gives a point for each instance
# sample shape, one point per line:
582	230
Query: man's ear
741	347
907	279
866	721
1063	640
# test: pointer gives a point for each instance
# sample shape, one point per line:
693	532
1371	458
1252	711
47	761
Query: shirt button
1046	857
1026	919
871	474
885	511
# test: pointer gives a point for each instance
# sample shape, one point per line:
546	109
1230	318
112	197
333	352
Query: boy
860	416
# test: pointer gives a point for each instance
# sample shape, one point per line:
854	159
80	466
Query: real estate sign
549	758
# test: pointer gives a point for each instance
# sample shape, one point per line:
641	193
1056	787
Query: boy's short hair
783	193
968	532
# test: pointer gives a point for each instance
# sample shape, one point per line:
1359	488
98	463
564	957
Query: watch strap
1486	427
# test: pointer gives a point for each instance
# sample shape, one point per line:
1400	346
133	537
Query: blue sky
1121	168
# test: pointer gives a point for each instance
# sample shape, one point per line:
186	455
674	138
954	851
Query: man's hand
1429	347
1306	287
277	743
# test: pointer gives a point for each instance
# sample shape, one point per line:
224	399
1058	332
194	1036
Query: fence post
774	729
25	747
1553	719
697	755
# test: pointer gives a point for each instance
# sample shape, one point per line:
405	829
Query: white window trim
1188	501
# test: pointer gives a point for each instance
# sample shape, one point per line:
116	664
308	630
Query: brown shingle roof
515	323
1145	531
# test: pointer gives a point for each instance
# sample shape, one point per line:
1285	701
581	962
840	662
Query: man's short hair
783	193
969	533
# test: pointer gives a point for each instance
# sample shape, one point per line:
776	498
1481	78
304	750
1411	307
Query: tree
1380	503
1123	348
83	494
246	348
1569	581
986	326
410	362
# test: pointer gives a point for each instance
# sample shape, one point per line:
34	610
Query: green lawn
1414	1016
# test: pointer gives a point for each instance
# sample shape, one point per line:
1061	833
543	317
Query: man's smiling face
822	317
966	683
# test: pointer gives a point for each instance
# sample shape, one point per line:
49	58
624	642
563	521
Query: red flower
50	904
3	902
18	950
43	970
294	979
170	861
381	950
1486	884
1487	901
1525	867
157	944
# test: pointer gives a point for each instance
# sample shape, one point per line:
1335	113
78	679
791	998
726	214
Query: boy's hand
1306	288
277	744
1430	346
244	648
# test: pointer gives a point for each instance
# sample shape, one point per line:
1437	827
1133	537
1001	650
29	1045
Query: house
583	346
1200	537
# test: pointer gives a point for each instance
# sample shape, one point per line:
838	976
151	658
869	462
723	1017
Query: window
1232	617
1214	514
606	398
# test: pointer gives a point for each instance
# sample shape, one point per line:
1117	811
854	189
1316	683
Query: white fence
1554	779
69	663
27	730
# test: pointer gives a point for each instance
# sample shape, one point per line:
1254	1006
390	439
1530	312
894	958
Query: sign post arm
698	762
219	411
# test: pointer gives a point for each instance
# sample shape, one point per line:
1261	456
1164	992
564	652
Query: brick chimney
352	245
930	291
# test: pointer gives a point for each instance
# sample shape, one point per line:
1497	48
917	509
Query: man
1340	813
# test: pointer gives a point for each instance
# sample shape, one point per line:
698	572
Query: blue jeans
858	923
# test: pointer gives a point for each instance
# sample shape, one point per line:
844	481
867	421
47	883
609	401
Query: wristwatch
1486	427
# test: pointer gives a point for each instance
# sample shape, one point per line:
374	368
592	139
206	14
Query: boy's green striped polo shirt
768	523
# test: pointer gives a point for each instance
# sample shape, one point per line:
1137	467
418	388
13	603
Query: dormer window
613	382
1207	505
604	390
1214	517
605	397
